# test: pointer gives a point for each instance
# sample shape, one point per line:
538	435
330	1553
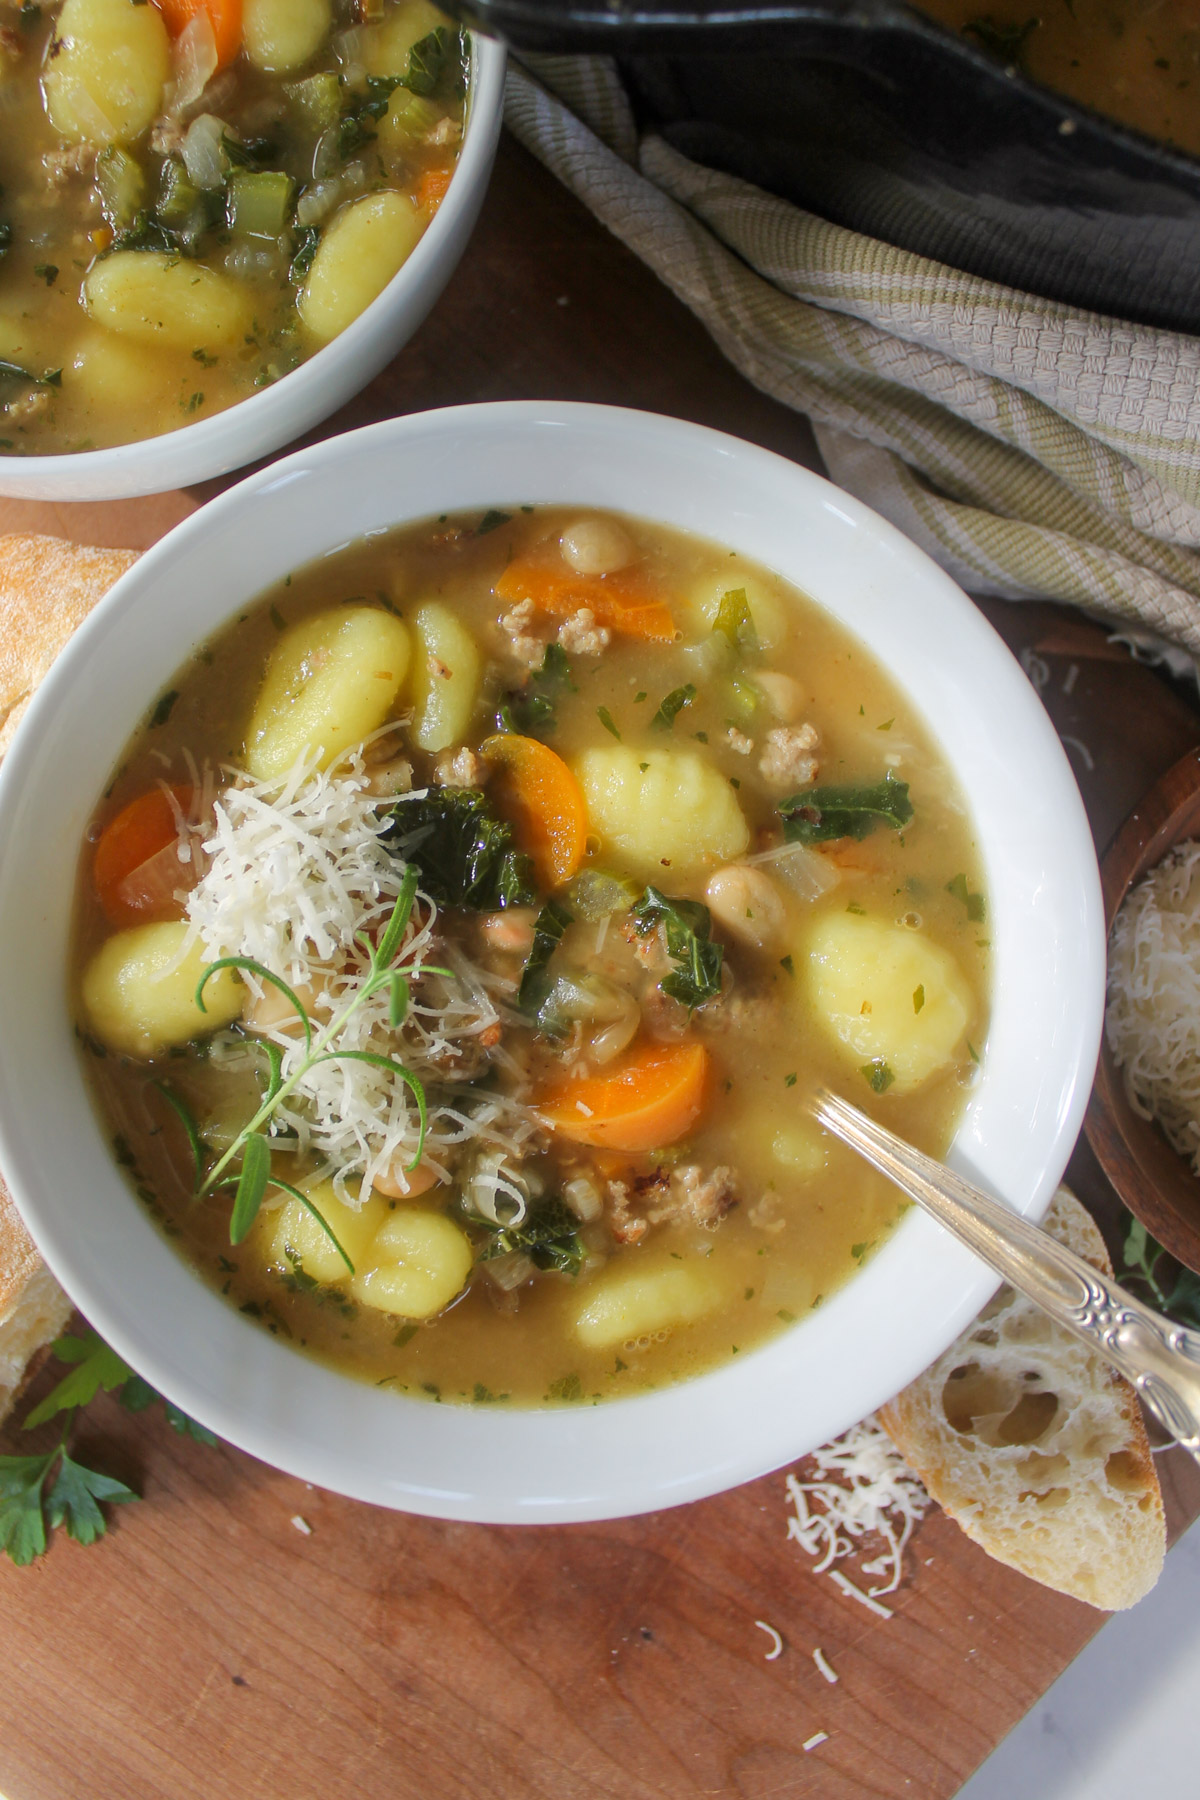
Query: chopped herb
789	1081
687	926
886	726
877	1075
277	618
307	239
194	403
548	1235
164	708
789	1318
701	737
47	272
858	1251
974	903
204	359
638	698
672	706
972	1052
606	719
464	851
918	997
821	814
405	1335
548	930
643	767
852	906
483	1396
567	1387
491	521
785	962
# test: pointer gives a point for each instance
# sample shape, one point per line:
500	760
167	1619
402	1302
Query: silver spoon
1159	1358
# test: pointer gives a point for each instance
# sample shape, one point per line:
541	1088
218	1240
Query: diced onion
201	151
194	57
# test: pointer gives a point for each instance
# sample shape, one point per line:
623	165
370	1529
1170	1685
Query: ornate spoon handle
1160	1359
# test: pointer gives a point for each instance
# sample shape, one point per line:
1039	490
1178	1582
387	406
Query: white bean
597	546
748	904
783	694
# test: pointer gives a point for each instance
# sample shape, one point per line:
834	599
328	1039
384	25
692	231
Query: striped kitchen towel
1033	451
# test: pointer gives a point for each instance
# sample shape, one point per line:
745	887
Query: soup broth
186	215
683	851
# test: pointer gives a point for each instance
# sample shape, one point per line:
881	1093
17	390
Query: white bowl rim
127	470
910	1323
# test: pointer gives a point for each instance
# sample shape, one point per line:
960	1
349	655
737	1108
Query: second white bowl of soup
590	811
216	224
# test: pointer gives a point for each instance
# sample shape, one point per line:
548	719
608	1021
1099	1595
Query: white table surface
1123	1722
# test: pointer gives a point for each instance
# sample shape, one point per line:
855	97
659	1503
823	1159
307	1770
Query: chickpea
748	904
596	547
401	1183
511	930
273	1011
783	695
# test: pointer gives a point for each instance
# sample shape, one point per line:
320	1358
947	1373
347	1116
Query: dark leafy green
533	709
465	853
307	239
687	926
549	1236
548	930
821	814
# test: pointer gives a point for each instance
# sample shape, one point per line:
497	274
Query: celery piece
259	202
318	99
177	197
411	116
121	186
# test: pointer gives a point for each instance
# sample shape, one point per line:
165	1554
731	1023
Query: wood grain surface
209	1648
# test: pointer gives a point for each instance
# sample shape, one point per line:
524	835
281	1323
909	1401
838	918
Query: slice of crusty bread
1036	1447
47	589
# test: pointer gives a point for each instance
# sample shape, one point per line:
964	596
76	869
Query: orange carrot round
651	1098
624	601
139	831
431	188
225	16
545	803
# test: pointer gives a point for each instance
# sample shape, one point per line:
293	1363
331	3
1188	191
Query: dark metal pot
881	120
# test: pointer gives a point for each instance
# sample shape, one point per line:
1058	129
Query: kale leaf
532	710
821	814
464	852
687	925
548	1235
548	930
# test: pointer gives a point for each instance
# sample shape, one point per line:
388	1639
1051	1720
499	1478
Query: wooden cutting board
209	1648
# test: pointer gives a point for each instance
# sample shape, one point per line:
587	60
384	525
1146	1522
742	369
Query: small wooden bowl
1154	1181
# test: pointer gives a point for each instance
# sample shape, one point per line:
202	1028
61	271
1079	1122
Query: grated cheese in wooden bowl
1153	1017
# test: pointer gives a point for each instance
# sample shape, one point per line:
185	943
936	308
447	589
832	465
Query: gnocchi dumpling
281	35
369	241
330	682
107	69
416	1264
633	1303
112	372
445	677
887	994
292	1235
160	299
662	814
139	1000
387	45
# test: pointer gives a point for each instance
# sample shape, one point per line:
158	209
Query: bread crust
47	589
1034	1445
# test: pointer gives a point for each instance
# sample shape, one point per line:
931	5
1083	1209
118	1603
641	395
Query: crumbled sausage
29	405
446	131
737	740
10	43
167	135
525	644
789	759
689	1193
703	1197
72	159
581	636
460	768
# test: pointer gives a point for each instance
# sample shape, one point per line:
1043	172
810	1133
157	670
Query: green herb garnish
821	814
687	926
877	1075
606	719
548	1235
491	521
974	903
672	706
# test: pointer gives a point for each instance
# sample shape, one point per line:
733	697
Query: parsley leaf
96	1367
687	926
821	814
672	706
22	1523
464	852
548	930
877	1075
974	903
73	1500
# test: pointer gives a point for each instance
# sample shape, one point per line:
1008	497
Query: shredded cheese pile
1153	1017
861	1487
295	872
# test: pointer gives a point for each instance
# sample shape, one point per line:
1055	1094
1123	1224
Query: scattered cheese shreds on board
776	1641
852	1593
822	1663
302	1524
818	1737
860	1487
1153	1016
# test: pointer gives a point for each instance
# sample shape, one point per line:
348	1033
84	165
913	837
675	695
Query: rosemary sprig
255	1174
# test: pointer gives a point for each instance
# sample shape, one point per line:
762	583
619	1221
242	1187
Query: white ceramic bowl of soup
276	415
756	1412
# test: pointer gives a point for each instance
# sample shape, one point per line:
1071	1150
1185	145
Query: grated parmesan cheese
818	1737
1153	1017
295	877
861	1487
825	1667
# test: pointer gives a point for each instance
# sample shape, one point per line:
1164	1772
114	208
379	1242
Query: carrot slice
649	1099
545	803
226	17
139	831
625	601
431	189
